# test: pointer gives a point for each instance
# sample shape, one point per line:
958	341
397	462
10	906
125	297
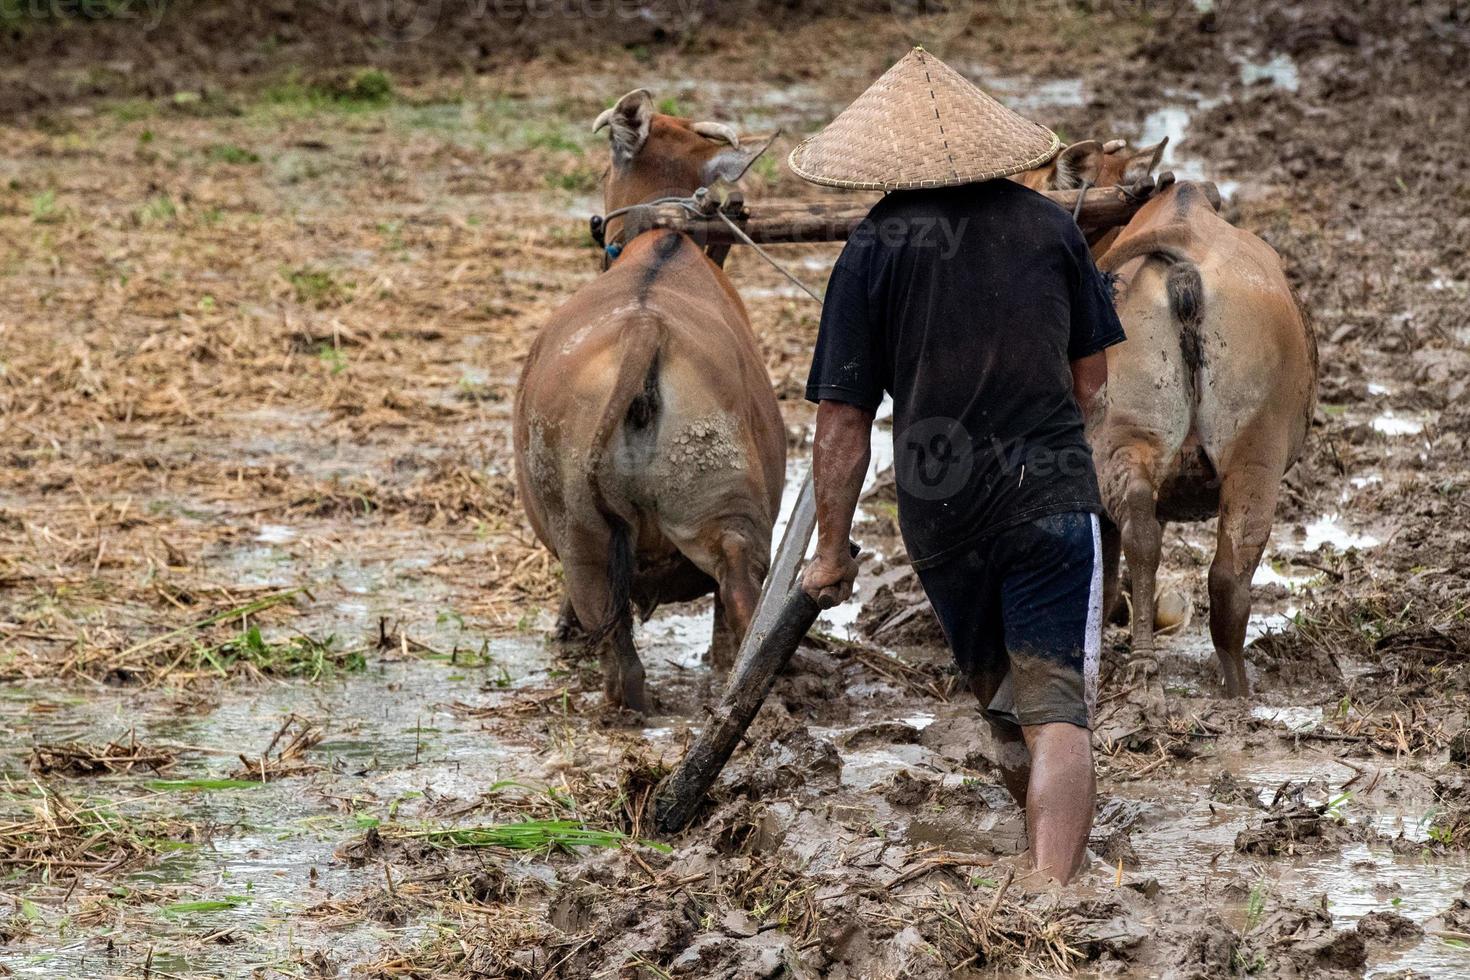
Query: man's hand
829	578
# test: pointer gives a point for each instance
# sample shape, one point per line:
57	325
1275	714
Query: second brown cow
1208	401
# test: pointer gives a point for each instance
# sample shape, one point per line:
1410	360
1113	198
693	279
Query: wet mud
278	692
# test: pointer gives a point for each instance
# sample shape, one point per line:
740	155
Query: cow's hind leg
599	570
1131	479
1247	507
732	553
723	645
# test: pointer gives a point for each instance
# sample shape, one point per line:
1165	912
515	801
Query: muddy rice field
277	693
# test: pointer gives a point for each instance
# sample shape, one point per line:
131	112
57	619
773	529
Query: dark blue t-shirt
967	305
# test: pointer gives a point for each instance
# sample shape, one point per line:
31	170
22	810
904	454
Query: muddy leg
723	645
738	566
631	692
1013	758
588	585
1142	536
1142	541
1061	797
1247	507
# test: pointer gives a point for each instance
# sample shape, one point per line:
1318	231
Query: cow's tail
633	405
1186	293
1183	289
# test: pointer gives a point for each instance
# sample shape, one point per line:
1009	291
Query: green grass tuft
201	785
299	656
44	209
226	153
206	905
529	835
318	287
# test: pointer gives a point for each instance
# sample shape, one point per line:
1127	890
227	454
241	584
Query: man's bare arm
1089	378
839	463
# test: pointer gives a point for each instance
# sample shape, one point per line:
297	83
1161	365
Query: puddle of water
1173	121
680	638
1360	879
1267	574
275	534
1026	95
389	736
1329	529
841	620
1293	718
1280	72
796	471
1393	425
797	468
881	459
863	768
773	292
1262	623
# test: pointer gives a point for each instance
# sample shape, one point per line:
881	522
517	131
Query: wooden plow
778	222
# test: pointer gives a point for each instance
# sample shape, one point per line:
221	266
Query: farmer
973	301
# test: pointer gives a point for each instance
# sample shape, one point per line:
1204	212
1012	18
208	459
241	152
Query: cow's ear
630	120
732	164
727	164
1079	163
1143	161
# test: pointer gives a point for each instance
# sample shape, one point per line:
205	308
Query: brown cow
650	452
1208	404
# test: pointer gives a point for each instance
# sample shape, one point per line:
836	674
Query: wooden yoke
833	220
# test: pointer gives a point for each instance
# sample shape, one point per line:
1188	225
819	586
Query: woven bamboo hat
922	124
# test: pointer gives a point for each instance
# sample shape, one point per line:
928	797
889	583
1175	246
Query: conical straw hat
922	124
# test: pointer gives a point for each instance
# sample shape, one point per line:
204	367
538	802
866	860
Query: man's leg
1052	610
1012	754
1060	797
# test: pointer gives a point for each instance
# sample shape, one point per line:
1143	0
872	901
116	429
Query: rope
1081	196
740	234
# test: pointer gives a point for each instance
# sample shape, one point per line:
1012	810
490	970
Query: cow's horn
717	131
603	119
1113	146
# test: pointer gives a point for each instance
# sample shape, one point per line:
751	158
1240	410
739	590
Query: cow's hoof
617	716
1237	691
1142	675
569	633
628	695
1141	670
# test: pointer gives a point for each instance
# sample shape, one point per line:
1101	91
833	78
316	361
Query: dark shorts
1023	614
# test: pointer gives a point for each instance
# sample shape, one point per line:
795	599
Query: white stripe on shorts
1092	650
